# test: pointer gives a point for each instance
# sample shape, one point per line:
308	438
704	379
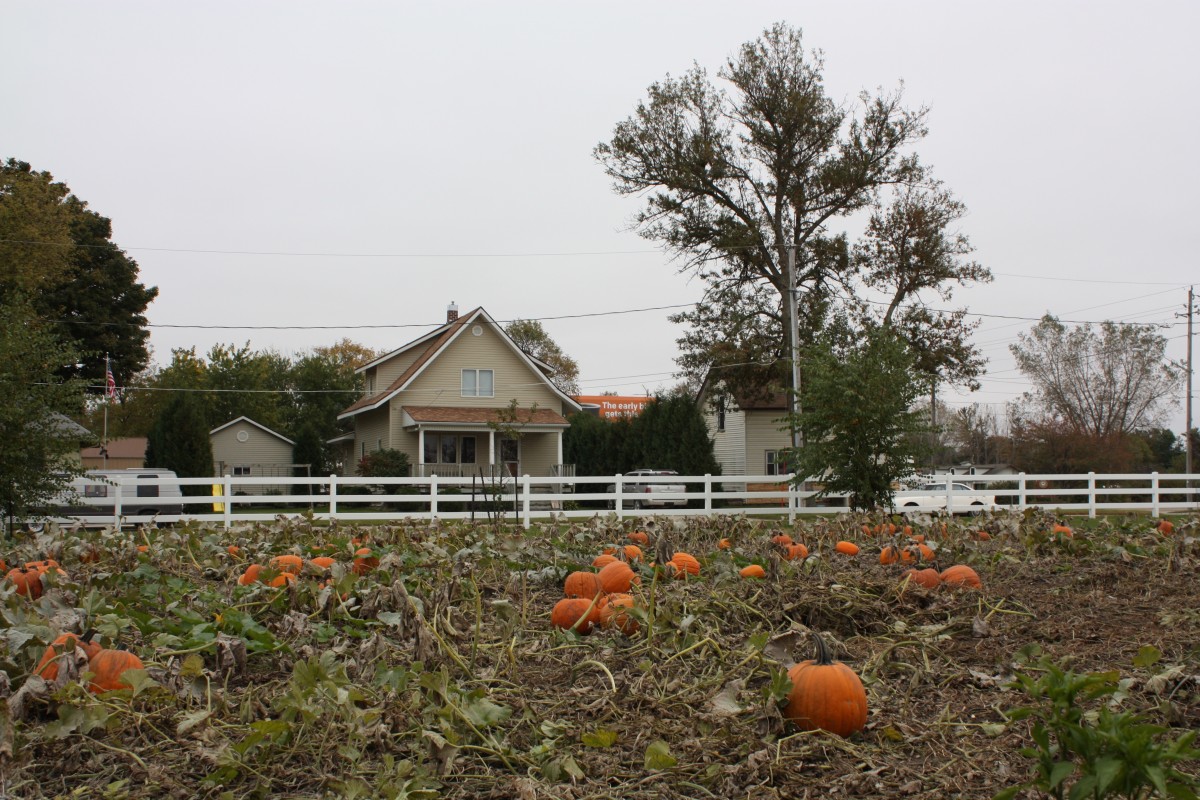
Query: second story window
477	383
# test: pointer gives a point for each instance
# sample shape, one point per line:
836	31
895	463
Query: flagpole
104	437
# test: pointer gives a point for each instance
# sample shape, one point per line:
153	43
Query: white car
636	493
932	497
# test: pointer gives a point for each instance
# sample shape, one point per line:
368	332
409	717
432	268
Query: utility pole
1188	433
793	308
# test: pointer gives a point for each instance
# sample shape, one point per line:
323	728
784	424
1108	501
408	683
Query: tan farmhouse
462	400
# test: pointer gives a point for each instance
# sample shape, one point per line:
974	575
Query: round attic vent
477	331
243	436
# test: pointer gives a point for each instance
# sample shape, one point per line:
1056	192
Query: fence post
708	498
793	497
332	497
1092	495
525	501
1154	493
949	496
227	506
619	496
118	512
1021	491
433	496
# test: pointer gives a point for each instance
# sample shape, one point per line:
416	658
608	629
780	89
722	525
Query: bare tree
1100	381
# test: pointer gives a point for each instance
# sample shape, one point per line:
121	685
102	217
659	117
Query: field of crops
429	666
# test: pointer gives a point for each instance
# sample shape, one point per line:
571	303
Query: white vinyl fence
523	499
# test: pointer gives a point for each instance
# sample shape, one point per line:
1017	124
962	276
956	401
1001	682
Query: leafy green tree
34	402
735	176
597	446
179	440
860	434
385	463
532	338
52	244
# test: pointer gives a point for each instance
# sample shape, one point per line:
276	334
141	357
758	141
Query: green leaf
1107	770
601	737
658	756
483	713
1147	656
393	618
191	720
1059	773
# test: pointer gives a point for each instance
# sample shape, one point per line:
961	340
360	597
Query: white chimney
451	312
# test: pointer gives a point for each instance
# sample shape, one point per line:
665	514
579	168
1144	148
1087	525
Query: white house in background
747	432
244	448
443	397
963	472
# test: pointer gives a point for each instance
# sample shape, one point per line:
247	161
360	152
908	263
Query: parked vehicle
93	495
646	494
932	497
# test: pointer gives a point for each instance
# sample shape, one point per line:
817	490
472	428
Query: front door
510	455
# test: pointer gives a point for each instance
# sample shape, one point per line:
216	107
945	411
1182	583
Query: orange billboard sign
612	406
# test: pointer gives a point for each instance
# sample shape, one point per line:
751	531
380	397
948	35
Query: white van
144	493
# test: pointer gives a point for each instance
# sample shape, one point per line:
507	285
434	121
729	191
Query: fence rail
526	498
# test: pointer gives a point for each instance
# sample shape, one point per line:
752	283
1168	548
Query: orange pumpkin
233	550
782	539
108	668
250	575
577	613
281	580
602	561
582	584
322	562
928	578
926	552
1165	527
889	554
753	571
364	561
686	563
846	548
614	613
1063	530
633	552
961	576
288	563
617	578
724	544
48	666
982	536
28	581
639	537
796	552
826	695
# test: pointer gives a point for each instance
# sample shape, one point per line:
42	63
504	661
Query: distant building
127	453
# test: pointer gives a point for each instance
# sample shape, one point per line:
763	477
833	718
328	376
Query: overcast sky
366	163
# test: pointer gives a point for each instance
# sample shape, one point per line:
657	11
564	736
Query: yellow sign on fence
218	491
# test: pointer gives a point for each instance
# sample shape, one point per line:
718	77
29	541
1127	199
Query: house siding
371	428
762	434
729	445
440	383
265	454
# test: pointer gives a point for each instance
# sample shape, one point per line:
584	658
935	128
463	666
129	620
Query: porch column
420	452
560	456
491	450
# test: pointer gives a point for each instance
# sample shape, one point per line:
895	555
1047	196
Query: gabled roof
262	428
435	343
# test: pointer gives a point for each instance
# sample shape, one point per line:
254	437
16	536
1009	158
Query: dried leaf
658	756
724	702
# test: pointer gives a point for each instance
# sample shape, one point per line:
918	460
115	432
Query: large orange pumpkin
961	576
753	571
322	562
108	668
577	613
582	584
617	577
686	563
250	575
281	580
929	578
633	552
782	539
614	613
796	552
364	561
64	645
288	563
1165	527
846	548
640	537
28	581
602	561
826	695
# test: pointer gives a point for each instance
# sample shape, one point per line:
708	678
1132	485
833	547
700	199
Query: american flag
110	383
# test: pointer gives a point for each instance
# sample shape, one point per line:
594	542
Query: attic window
721	414
478	383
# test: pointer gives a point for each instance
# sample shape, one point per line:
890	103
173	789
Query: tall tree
179	440
735	179
861	434
34	404
532	338
53	245
1099	381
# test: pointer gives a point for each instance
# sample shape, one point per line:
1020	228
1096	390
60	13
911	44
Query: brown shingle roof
447	332
482	415
133	447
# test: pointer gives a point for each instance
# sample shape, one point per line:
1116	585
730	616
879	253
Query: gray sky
366	163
